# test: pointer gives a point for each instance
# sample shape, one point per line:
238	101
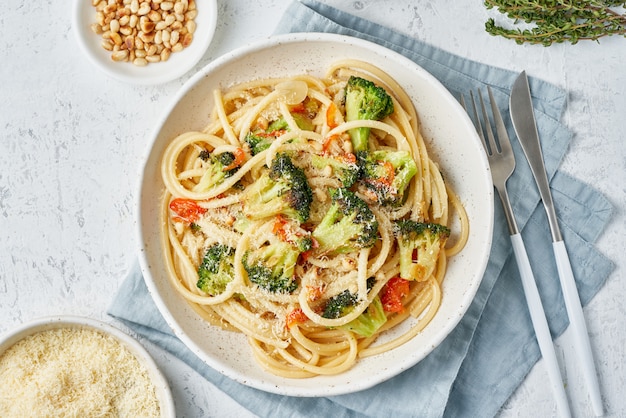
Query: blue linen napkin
483	360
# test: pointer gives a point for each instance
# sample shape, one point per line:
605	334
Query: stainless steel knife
523	118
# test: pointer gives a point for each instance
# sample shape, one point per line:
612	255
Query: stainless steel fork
502	163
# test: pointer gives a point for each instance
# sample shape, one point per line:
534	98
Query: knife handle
540	324
577	322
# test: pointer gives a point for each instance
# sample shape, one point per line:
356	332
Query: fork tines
494	144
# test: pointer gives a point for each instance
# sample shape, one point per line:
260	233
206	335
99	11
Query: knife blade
523	118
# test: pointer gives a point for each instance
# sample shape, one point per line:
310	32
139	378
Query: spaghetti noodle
202	207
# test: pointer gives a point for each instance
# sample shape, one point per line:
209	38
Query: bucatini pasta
257	132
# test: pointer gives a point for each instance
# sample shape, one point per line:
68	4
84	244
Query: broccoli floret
344	167
365	101
283	189
292	232
301	120
387	174
369	321
303	243
259	141
218	170
419	244
272	266
365	324
216	269
340	305
347	226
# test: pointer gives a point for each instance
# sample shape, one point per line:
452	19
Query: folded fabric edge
521	358
599	209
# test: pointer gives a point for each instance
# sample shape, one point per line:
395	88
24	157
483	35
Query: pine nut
169	19
167	5
114	25
121	55
129	41
147	27
165	35
97	29
144	31
147	38
144	9
138	43
191	26
177	48
174	37
107	44
120	13
154	16
116	38
187	39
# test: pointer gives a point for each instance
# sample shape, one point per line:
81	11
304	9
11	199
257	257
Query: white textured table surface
72	139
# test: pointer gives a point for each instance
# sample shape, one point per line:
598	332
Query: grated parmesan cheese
72	372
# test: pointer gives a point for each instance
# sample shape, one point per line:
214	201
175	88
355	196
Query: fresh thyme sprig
557	21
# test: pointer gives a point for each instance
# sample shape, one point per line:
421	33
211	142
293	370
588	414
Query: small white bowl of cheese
74	366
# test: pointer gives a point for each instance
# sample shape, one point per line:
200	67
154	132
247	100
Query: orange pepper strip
279	228
392	294
297	316
390	172
332	115
348	157
187	209
299	108
240	158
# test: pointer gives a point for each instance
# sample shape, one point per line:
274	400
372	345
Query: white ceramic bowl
451	139
179	63
162	388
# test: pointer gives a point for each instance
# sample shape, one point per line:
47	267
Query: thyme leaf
558	21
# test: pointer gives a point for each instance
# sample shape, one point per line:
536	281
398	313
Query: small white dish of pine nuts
145	41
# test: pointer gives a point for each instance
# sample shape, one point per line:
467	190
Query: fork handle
540	324
577	322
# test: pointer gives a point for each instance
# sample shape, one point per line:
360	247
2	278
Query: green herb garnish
554	21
